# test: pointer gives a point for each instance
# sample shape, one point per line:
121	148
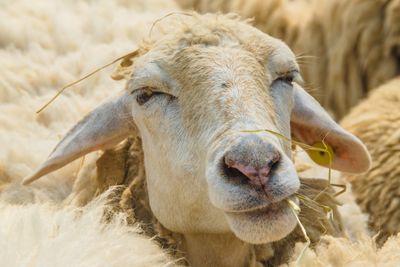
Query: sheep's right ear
311	124
103	128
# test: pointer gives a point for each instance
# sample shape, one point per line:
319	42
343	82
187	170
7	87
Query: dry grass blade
328	210
300	144
80	166
59	92
343	186
166	16
296	209
293	205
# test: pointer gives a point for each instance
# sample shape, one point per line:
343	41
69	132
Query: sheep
348	47
195	85
376	122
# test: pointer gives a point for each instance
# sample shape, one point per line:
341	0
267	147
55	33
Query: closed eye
286	79
145	94
290	77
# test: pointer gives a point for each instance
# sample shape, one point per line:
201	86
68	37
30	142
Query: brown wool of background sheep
347	47
377	122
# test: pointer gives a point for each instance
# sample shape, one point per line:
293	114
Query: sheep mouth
230	191
267	209
263	225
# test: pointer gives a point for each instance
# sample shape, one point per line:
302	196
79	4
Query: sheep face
191	97
198	102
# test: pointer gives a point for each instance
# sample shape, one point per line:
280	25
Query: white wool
46	235
344	252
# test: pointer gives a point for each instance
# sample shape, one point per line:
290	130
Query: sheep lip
269	211
273	207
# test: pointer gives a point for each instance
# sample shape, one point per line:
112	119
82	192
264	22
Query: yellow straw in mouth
322	154
296	209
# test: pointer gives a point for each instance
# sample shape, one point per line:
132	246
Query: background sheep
377	122
26	82
347	47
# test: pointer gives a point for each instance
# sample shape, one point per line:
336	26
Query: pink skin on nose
256	177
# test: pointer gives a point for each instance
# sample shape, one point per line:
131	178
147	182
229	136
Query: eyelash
287	79
144	97
146	93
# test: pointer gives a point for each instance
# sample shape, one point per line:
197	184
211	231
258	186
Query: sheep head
190	94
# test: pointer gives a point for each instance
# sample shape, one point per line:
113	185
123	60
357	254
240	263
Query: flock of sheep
138	200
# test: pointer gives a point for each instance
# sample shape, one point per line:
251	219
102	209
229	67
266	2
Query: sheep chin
262	226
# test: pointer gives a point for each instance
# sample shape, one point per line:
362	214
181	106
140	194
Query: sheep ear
311	124
102	128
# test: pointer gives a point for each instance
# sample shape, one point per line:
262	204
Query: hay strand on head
60	91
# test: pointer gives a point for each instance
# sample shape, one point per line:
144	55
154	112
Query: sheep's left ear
310	124
101	129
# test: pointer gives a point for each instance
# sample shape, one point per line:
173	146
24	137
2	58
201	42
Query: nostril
275	157
235	166
254	171
232	172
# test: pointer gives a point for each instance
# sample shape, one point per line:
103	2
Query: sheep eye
143	96
287	79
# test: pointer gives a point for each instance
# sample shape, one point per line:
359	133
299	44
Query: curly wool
346	48
49	235
376	121
333	251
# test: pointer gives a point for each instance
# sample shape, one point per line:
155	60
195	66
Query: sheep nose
251	160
